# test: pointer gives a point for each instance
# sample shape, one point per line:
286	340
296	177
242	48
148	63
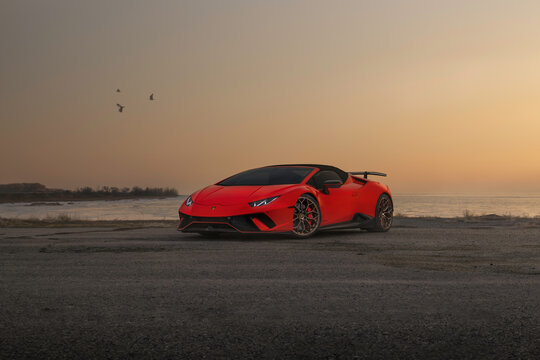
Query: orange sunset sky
444	96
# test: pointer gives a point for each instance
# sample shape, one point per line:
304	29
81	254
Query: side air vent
265	219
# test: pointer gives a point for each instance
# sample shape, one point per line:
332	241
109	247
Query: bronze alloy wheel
307	216
384	214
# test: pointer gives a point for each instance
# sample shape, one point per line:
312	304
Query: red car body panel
223	208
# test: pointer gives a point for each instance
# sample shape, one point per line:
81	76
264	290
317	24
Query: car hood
235	195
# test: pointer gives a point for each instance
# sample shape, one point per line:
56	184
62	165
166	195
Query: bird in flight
151	96
117	90
120	107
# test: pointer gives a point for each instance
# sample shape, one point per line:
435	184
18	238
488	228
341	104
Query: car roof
344	175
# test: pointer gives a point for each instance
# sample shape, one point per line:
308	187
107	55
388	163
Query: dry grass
467	214
469	218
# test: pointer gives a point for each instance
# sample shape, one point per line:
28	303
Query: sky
444	96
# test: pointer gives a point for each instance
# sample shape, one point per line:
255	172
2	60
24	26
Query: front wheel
384	214
307	216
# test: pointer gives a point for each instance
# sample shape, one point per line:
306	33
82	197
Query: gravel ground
429	288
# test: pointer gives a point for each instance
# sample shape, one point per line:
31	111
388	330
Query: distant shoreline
39	193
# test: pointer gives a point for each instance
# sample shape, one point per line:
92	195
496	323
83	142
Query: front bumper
250	223
275	217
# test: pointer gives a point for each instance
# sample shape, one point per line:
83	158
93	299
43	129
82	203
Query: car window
269	176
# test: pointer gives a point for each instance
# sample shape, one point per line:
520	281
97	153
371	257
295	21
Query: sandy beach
429	288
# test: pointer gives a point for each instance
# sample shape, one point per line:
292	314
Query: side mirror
331	184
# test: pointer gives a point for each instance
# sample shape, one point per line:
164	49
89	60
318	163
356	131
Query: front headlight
262	202
189	201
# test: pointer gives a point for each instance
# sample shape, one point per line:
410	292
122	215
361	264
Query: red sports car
298	199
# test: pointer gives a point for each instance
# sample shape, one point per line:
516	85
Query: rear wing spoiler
366	173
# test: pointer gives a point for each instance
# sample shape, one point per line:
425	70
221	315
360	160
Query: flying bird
117	90
120	107
151	96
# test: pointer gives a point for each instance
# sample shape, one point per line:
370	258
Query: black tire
384	214
306	217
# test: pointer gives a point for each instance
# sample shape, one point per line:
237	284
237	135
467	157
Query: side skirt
359	220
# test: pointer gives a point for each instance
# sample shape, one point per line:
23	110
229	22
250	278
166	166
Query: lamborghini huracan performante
298	199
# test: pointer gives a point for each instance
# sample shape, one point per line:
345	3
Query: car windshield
269	176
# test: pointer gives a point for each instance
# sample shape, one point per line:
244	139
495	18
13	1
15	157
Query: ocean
167	209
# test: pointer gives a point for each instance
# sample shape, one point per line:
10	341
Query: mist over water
167	209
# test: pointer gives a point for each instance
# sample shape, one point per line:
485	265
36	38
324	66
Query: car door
336	204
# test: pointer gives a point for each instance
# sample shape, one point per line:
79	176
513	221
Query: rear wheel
384	214
307	216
